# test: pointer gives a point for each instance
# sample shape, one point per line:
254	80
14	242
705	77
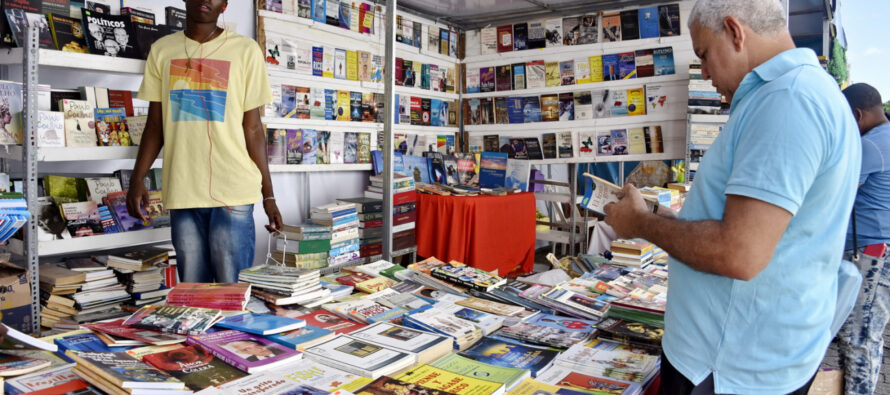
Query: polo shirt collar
774	68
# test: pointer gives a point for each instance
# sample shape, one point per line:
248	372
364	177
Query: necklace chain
188	63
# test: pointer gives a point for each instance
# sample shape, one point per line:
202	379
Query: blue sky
868	51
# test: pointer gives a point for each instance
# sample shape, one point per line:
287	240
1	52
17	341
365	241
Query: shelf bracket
29	152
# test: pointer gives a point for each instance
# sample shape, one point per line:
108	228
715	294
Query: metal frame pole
390	108
31	57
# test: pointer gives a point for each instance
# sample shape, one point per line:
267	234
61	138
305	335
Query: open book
604	192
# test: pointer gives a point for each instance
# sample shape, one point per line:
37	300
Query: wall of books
608	86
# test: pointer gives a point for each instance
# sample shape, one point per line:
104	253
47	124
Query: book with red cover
372	224
354	278
371	250
121	99
404	218
117	328
404	197
209	291
505	38
323	319
194	366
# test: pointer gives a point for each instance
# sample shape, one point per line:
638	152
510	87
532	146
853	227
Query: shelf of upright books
73	154
628	121
295	123
95	243
72	60
585	49
661	80
426	129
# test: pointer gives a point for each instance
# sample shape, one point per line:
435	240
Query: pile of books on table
303	246
344	222
404	200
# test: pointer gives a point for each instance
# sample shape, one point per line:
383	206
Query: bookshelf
75	61
667	80
72	154
319	168
573	51
94	243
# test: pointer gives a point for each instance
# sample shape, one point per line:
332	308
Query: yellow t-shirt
204	100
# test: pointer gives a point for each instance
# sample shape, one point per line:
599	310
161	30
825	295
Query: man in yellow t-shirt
205	86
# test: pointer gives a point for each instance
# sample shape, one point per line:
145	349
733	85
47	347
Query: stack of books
303	246
76	296
222	296
283	285
632	253
118	372
370	232
404	214
703	96
344	223
143	272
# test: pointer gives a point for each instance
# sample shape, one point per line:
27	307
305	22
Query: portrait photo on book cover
252	350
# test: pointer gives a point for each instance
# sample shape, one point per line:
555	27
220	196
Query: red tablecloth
487	232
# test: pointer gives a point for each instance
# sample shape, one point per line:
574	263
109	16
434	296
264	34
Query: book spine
441	275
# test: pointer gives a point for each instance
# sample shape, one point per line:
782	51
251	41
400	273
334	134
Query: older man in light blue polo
756	249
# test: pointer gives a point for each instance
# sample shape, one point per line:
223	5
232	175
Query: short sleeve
257	91
152	80
779	150
872	160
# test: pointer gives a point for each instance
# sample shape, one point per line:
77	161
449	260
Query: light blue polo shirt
873	199
790	141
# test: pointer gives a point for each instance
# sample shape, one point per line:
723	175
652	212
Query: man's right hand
137	199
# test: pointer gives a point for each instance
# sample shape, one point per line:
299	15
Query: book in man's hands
247	352
603	192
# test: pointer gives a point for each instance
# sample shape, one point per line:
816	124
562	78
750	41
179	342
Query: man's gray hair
765	17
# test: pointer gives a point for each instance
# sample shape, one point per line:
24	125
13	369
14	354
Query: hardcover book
194	366
249	353
110	35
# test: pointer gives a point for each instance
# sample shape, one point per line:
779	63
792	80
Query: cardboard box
15	296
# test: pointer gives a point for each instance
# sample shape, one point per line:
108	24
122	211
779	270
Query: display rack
693	119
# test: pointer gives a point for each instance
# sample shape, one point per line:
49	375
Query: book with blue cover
309	143
627	67
417	167
319	11
302	337
648	22
330	103
511	355
514	110
570	324
492	169
317	61
531	109
260	324
83	342
664	60
610	67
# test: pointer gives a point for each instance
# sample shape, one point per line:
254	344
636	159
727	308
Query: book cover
553	32
260	324
636	141
601	103
194	366
537	35
501	114
550	108
82	218
322	147
117	202
654	138
619	142
618	103
303	337
343	112
491	143
517	174
471	368
531	109
571	30
636	102
175	18
319	11
416	111
582	71
473	80
583	105
302	103
644	63
595	68
493	169
648	22
588	32
288	101
663	60
332	12
536	76
388	385
124	371
503	78
344	17
487	79
611	27
316	103
424	75
79	118
67	33
364	65
610	67
566	106
552	74
467	169
19	19
350	149
249	353
669	20
425	111
50	129
603	143
505	38
626	66
110	35
443	380
443	41
401	338
518	75
630	27
489	40
355	106
173	319
520	36
548	145
324	320
309	142
340	64
327	63
512	355
564	145
317	61
582	382
359	356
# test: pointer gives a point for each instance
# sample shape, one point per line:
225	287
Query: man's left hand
624	216
274	216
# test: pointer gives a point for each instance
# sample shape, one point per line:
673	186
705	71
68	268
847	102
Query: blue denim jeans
861	339
213	244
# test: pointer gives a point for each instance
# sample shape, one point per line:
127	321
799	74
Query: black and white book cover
146	35
19	20
110	35
175	18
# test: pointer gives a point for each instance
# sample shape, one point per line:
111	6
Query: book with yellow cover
443	380
636	141
596	68
552	74
375	285
636	102
342	112
531	386
351	66
582	71
328	62
364	65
